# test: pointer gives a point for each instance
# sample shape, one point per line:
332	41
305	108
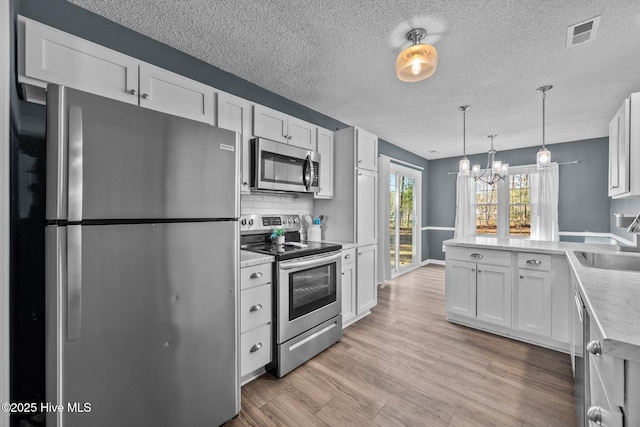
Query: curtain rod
411	165
572	162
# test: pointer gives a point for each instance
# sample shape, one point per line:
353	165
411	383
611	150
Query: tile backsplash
276	204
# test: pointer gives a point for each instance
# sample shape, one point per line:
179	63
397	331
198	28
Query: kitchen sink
609	261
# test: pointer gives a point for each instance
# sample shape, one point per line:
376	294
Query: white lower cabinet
521	295
255	319
366	281
348	286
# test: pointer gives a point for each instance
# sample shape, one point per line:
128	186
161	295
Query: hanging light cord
464	133
544	96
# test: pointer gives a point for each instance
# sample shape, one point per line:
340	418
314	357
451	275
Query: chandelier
543	159
495	171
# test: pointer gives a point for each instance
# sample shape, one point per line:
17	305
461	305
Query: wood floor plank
405	364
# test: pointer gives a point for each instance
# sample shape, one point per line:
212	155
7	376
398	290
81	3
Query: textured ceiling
338	58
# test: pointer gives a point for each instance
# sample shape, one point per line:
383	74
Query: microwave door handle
309	263
312	174
307	173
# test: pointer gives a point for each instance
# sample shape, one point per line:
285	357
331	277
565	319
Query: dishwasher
580	360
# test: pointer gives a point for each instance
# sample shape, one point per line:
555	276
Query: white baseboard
432	261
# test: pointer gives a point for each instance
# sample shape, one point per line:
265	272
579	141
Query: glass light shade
465	165
543	159
417	62
505	169
476	170
497	166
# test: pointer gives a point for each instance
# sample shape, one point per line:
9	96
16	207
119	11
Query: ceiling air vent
583	31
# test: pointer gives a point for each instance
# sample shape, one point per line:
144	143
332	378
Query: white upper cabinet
171	93
276	126
47	55
366	207
326	150
624	149
235	114
366	150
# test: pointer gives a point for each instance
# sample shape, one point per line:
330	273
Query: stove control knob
296	220
243	221
250	222
290	221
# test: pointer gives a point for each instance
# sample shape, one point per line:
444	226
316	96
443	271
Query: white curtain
545	186
384	257
465	206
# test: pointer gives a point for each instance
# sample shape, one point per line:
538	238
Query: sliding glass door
404	218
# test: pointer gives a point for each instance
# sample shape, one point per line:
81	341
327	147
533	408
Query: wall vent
583	32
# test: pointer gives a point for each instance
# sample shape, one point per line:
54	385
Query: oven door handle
309	263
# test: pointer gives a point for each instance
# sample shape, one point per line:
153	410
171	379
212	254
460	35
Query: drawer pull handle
594	348
256	275
476	255
594	414
256	307
534	261
255	347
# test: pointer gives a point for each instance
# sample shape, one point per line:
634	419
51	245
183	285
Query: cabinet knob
613	187
256	307
347	256
343	274
594	414
133	92
479	271
359	161
522	276
594	348
473	269
145	95
257	346
245	183
256	275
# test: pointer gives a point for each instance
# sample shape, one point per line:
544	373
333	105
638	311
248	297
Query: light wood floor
404	364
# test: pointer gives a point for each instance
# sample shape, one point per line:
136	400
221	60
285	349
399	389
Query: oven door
308	293
282	167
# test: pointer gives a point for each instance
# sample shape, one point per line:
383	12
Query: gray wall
583	204
396	152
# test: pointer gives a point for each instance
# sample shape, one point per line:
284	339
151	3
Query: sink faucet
633	228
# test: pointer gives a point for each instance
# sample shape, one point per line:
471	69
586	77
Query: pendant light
495	171
543	159
418	61
465	165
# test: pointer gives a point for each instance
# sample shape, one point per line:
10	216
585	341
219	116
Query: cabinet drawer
255	349
485	256
255	275
348	256
610	369
529	261
255	307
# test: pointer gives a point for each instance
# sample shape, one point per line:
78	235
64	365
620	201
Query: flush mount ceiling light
465	165
418	61
543	159
495	171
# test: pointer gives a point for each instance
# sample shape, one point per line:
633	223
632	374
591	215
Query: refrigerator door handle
75	164
74	282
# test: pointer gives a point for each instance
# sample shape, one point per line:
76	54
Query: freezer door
110	160
142	324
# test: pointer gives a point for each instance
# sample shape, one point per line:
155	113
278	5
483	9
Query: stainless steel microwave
280	167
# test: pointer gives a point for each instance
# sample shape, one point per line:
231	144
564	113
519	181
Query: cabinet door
348	294
325	148
366	150
494	294
366	207
534	302
366	282
235	114
53	56
460	283
619	151
301	134
269	123
171	93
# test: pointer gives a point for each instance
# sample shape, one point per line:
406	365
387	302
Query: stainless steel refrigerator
142	266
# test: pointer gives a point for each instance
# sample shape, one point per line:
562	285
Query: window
504	208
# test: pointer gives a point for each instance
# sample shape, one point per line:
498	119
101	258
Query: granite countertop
248	259
612	297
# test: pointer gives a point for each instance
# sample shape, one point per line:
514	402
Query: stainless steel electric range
307	289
